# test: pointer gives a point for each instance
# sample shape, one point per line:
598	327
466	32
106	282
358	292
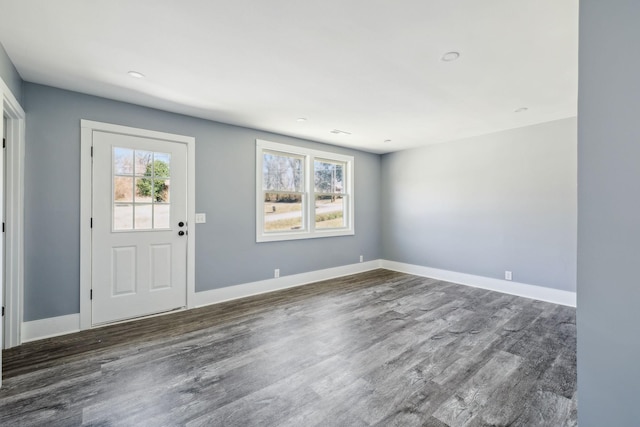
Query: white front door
139	230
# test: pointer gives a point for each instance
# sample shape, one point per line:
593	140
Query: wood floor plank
547	409
473	395
377	348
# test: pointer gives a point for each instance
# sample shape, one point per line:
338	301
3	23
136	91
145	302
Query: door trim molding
14	232
87	127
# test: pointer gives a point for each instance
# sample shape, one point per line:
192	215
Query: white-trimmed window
302	193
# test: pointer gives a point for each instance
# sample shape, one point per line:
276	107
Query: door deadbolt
181	224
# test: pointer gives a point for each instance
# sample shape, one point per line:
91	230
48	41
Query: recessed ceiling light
340	132
450	56
521	110
301	119
136	74
387	141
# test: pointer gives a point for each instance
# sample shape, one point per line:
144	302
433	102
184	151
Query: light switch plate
201	218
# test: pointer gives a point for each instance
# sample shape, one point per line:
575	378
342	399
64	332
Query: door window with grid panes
141	190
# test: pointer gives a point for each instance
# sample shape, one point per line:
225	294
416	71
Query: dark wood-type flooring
377	348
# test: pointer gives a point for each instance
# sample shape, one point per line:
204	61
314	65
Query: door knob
180	233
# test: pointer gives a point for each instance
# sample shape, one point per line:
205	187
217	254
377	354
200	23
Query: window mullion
309	175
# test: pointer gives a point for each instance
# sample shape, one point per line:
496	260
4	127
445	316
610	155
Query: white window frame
308	207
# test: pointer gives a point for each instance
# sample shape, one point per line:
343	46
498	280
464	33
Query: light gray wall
609	214
226	251
483	205
10	75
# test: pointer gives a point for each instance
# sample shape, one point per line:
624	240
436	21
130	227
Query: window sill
280	237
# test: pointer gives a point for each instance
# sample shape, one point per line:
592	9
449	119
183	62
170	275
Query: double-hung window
302	193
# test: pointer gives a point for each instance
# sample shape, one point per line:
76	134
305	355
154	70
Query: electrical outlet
276	273
361	258
507	275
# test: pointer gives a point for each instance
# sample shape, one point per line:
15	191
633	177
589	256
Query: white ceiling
369	67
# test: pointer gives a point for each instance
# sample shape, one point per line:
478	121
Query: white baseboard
541	293
228	293
50	327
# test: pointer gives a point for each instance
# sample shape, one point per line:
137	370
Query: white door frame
14	237
86	138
